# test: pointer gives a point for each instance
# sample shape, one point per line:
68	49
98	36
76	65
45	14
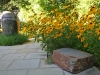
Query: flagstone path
29	59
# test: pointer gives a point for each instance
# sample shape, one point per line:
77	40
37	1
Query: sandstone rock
72	60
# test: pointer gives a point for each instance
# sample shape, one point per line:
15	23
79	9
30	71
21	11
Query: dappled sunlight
36	8
84	5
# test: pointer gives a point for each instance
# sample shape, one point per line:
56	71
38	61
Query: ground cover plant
13	39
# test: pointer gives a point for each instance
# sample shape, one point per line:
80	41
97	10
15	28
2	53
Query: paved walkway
28	59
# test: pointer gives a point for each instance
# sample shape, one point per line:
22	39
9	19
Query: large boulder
72	60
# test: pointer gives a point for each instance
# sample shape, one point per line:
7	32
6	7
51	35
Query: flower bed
61	30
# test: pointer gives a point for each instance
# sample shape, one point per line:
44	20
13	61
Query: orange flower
98	31
68	36
93	10
79	35
53	12
59	34
98	11
82	39
56	36
66	6
82	30
80	23
48	30
71	27
24	29
74	1
30	21
77	30
55	9
75	14
91	25
99	38
90	18
58	27
86	45
42	13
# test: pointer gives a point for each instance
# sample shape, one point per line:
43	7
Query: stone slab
7	51
26	51
34	45
14	72
35	55
40	50
91	71
30	42
43	64
72	60
18	47
25	64
4	65
1	55
4	47
13	56
46	71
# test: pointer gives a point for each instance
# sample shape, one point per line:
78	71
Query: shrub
13	39
60	30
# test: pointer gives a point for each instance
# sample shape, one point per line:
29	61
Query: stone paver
91	71
1	55
29	59
35	45
40	50
4	65
14	72
7	51
18	47
25	64
43	64
36	55
4	47
26	51
47	71
13	56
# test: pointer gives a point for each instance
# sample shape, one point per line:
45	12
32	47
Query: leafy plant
13	39
65	27
59	30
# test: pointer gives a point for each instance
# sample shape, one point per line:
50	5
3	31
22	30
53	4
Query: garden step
72	60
